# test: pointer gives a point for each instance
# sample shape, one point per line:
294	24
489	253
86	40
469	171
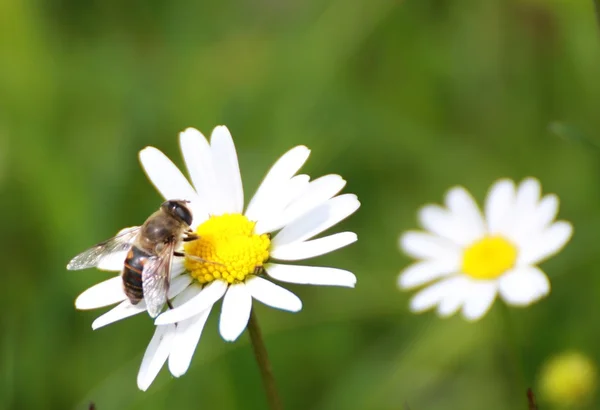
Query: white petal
318	192
155	356
479	299
422	245
103	294
283	170
235	312
546	211
202	301
421	273
439	221
198	160
168	179
311	275
272	295
304	250
545	244
272	217
177	267
528	193
432	295
499	206
455	297
178	285
227	170
187	334
113	262
318	220
186	339
523	286
464	209
525	213
121	311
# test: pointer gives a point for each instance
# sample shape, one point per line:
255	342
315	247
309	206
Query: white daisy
475	256
238	244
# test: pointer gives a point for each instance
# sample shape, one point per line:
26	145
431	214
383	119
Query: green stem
266	372
519	380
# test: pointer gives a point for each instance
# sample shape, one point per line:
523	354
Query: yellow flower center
230	248
489	258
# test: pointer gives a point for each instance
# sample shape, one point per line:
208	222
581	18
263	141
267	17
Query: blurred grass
402	98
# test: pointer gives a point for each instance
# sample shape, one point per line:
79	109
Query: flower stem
266	372
519	379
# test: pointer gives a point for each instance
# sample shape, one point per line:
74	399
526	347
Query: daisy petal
177	267
318	220
121	311
422	245
464	209
186	339
283	170
198	160
203	300
545	244
272	217
178	285
318	191
311	275
168	179
113	262
187	334
546	211
304	250
273	295
479	299
439	221
431	295
499	205
235	312
523	286
423	272
227	170
155	356
103	294
455	297
528	194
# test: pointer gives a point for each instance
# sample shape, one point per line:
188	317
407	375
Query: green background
404	99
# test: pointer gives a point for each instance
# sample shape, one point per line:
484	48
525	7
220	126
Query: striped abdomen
132	274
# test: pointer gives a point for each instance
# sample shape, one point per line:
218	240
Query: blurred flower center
568	380
230	248
489	258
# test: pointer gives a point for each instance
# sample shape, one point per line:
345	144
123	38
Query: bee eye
182	213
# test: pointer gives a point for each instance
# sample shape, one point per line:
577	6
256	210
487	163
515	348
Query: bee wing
155	279
94	255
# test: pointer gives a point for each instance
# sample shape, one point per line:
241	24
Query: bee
150	249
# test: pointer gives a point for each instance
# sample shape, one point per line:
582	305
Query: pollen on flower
489	258
230	248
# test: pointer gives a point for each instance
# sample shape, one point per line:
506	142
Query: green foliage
402	98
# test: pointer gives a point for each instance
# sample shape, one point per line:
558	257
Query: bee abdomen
132	274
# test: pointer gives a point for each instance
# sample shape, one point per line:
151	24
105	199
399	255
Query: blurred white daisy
287	211
474	257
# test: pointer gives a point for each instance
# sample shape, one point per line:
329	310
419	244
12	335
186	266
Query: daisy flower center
230	248
489	258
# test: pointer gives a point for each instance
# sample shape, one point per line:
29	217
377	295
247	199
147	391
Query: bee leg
169	304
199	259
180	254
191	236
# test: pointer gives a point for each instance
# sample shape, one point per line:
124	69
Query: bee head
178	209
